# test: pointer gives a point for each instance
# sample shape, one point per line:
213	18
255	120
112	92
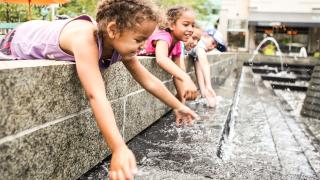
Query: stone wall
47	130
311	105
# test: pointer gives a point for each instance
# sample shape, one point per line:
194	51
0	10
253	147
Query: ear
171	26
112	29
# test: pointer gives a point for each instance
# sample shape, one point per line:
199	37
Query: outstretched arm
86	54
187	88
205	67
155	87
166	63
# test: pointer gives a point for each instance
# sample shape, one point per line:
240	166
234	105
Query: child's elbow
91	96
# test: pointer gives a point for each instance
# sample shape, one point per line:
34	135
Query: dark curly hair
126	13
172	15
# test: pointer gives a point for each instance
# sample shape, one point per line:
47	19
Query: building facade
293	23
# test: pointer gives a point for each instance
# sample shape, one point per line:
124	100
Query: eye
138	40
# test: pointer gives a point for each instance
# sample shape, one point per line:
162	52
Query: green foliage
203	8
78	7
18	12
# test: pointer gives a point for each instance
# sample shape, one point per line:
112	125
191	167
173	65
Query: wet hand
185	115
123	164
210	95
190	89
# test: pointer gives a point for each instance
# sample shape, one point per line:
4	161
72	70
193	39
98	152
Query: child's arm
166	63
86	54
169	66
204	64
155	87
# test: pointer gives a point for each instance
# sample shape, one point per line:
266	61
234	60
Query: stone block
311	105
61	151
47	130
147	109
32	96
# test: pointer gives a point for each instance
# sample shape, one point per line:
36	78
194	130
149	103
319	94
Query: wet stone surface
258	139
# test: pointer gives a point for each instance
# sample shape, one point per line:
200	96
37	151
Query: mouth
188	35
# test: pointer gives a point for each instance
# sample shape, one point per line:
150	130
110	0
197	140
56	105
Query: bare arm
92	82
151	83
166	63
155	87
85	50
203	60
180	62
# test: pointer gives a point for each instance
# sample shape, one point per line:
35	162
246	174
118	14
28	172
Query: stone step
289	86
289	153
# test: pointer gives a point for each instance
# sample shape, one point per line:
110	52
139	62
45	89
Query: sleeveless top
173	51
39	39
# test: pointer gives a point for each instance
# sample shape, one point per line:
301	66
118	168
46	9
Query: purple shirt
39	39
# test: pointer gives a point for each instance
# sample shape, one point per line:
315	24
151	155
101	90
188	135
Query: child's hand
210	95
123	164
190	89
185	115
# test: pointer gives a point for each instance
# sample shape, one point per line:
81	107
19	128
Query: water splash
255	52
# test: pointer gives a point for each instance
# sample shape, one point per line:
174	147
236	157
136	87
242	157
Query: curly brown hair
172	15
126	13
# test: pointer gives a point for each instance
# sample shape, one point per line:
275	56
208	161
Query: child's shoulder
161	32
161	35
79	28
79	32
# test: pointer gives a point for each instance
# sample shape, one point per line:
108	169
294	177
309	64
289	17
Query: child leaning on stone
121	28
165	44
197	47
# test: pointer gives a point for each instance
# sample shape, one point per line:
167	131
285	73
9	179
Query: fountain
255	52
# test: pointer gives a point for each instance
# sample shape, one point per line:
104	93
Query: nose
142	45
190	28
194	43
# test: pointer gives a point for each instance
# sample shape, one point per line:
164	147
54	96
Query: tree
18	12
77	7
201	7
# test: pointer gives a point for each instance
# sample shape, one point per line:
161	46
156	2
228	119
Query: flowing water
279	53
254	132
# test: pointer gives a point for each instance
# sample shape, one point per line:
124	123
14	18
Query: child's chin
130	55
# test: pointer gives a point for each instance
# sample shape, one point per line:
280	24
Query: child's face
183	28
193	40
130	41
210	42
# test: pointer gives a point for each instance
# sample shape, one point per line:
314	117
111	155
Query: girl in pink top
122	26
165	44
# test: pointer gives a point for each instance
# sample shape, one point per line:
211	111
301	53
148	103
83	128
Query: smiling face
182	28
210	42
193	40
128	42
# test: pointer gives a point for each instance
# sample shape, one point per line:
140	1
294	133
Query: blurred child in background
197	47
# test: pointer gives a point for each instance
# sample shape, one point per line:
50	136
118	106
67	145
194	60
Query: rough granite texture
47	130
311	106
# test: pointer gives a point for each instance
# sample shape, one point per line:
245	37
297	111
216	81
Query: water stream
256	51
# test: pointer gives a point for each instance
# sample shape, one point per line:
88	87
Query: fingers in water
127	173
112	175
120	175
133	166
